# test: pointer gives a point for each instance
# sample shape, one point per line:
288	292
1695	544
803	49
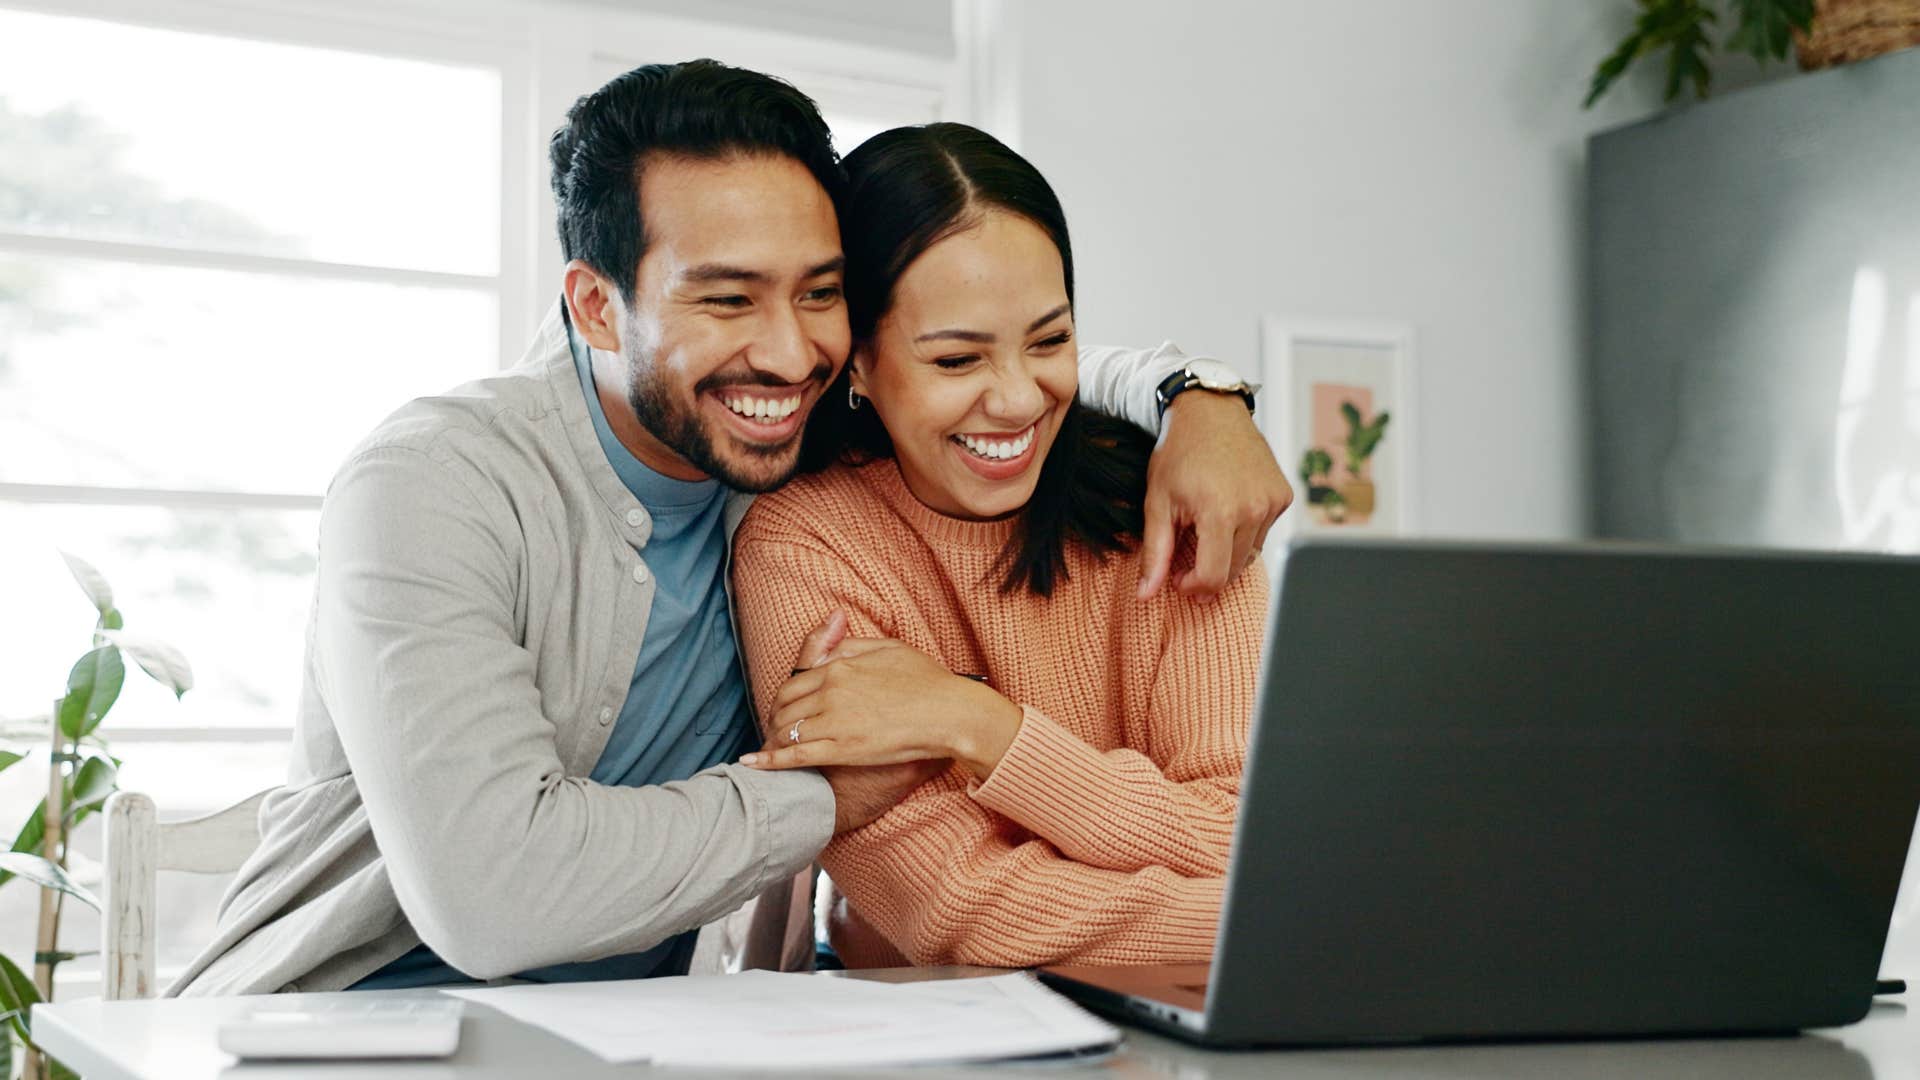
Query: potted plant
1363	438
81	773
1822	32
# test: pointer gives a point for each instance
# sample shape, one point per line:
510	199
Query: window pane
230	589
127	133
128	375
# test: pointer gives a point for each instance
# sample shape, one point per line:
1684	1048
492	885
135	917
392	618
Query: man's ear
594	305
860	365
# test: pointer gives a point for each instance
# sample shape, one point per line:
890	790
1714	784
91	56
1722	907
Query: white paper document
762	1019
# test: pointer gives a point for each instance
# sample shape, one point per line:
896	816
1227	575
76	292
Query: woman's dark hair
701	109
908	189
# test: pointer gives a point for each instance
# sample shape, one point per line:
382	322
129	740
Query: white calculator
346	1029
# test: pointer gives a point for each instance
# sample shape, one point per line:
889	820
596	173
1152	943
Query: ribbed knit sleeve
1174	805
948	882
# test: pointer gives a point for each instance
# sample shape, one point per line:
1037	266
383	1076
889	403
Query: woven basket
1849	30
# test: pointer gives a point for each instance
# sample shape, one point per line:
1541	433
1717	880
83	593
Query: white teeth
769	410
997	449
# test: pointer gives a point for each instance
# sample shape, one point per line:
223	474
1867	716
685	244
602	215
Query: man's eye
725	301
952	362
825	294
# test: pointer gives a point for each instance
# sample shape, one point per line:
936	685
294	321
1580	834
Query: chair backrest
138	848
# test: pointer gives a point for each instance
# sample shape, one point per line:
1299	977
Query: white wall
1389	159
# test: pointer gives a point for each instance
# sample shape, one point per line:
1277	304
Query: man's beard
681	429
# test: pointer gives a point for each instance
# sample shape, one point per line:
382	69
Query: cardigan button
606	717
640	573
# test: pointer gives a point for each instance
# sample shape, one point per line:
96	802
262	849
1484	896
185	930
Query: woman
978	528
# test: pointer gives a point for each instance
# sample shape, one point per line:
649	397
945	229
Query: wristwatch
1202	375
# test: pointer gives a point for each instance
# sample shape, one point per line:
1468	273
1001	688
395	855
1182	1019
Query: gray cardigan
481	596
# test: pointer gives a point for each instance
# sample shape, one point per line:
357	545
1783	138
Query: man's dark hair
908	189
700	109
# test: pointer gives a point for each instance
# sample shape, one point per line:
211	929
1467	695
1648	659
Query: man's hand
861	793
1213	472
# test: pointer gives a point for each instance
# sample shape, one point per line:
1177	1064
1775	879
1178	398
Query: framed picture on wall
1336	403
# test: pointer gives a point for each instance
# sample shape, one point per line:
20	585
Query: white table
174	1040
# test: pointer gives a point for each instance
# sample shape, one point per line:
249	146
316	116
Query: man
522	685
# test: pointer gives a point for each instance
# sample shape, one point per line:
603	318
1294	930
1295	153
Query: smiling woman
974	519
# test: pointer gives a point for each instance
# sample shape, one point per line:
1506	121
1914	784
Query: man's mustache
722	380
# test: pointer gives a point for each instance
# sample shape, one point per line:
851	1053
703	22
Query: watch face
1215	376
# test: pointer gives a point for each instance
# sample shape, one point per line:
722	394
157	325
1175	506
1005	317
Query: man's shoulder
481	409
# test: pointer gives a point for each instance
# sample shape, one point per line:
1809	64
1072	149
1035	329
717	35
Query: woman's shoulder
837	502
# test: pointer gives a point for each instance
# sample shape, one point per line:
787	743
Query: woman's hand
877	701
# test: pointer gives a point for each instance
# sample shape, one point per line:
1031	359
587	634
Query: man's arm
1212	472
500	860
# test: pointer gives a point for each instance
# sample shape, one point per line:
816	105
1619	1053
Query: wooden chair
138	847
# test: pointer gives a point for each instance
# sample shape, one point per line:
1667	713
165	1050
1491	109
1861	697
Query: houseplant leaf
96	780
162	661
47	875
8	759
1765	27
17	994
32	832
1687	59
92	687
92	582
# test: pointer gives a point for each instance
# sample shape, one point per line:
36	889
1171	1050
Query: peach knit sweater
1102	836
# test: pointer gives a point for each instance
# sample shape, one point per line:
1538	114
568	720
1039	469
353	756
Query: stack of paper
760	1019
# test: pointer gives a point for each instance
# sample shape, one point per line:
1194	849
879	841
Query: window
233	236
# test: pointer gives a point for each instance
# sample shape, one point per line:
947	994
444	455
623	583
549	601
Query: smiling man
522	677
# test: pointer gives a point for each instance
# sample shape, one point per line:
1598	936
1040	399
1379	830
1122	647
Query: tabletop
174	1040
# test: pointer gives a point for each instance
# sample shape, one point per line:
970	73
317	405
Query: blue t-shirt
686	709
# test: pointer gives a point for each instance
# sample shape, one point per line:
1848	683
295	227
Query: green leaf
1683	31
158	659
57	1071
111	619
92	687
96	779
9	759
17	995
47	875
33	830
1613	67
1352	414
92	582
1765	28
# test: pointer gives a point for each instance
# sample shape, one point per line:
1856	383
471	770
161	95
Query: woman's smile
997	456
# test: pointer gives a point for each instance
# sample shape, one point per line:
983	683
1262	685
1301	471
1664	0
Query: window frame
546	56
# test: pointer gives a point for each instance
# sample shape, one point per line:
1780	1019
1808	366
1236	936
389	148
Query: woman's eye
725	301
1055	341
950	363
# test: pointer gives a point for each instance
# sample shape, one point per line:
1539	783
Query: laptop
1557	792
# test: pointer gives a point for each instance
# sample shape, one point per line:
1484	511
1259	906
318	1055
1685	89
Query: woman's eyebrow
1048	317
975	336
981	338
